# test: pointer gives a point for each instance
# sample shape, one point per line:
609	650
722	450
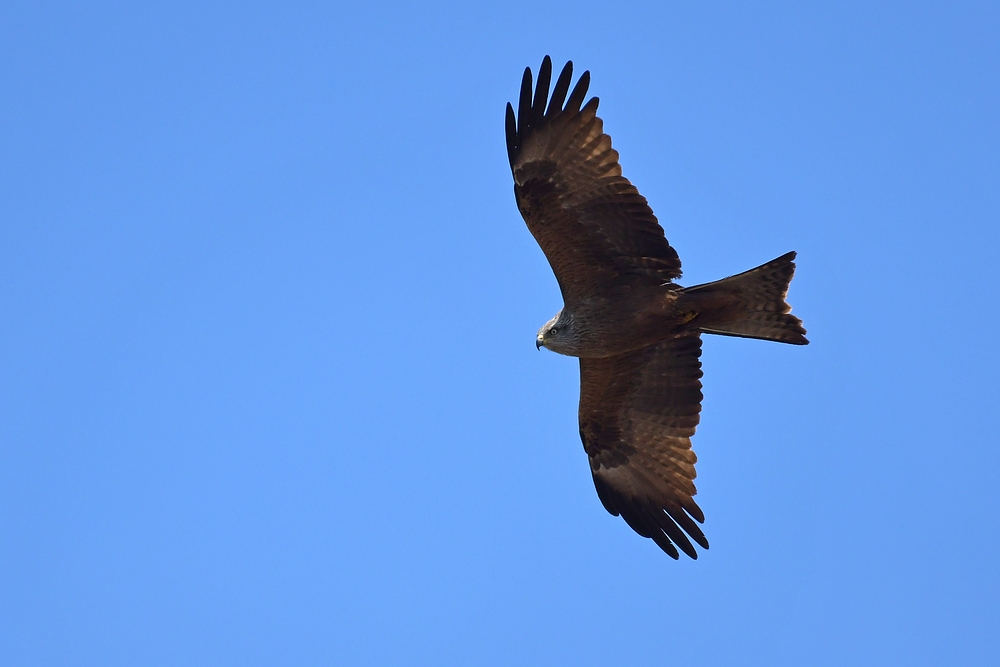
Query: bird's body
636	332
610	324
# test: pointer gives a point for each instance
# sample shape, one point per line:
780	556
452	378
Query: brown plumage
636	332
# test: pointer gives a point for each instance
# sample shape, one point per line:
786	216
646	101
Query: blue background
268	387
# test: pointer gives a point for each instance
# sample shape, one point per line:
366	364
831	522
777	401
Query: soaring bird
636	332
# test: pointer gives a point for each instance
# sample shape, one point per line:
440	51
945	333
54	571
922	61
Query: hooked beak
538	342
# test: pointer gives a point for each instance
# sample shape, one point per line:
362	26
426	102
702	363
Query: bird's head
558	335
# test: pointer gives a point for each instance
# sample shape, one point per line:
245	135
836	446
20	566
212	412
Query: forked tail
750	304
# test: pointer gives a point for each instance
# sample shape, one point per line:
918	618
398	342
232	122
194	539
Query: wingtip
689	505
524	101
541	90
510	130
667	547
579	92
560	89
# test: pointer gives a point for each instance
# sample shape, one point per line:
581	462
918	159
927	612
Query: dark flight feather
541	90
559	92
524	104
576	98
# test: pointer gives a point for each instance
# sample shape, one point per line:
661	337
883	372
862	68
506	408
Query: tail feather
749	305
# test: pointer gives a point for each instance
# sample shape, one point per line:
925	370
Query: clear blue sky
269	393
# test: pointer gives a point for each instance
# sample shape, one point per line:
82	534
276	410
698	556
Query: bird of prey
636	332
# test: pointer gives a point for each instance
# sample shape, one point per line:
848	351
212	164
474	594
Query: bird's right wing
594	227
638	412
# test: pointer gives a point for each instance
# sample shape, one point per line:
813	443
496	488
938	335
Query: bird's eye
553	331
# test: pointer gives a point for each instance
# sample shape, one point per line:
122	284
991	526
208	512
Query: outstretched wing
594	227
638	412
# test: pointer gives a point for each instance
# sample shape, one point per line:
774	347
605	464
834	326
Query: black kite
637	333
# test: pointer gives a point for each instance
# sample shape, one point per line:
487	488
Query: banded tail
749	305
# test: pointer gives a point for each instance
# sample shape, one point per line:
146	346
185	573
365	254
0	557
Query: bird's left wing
596	230
638	412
